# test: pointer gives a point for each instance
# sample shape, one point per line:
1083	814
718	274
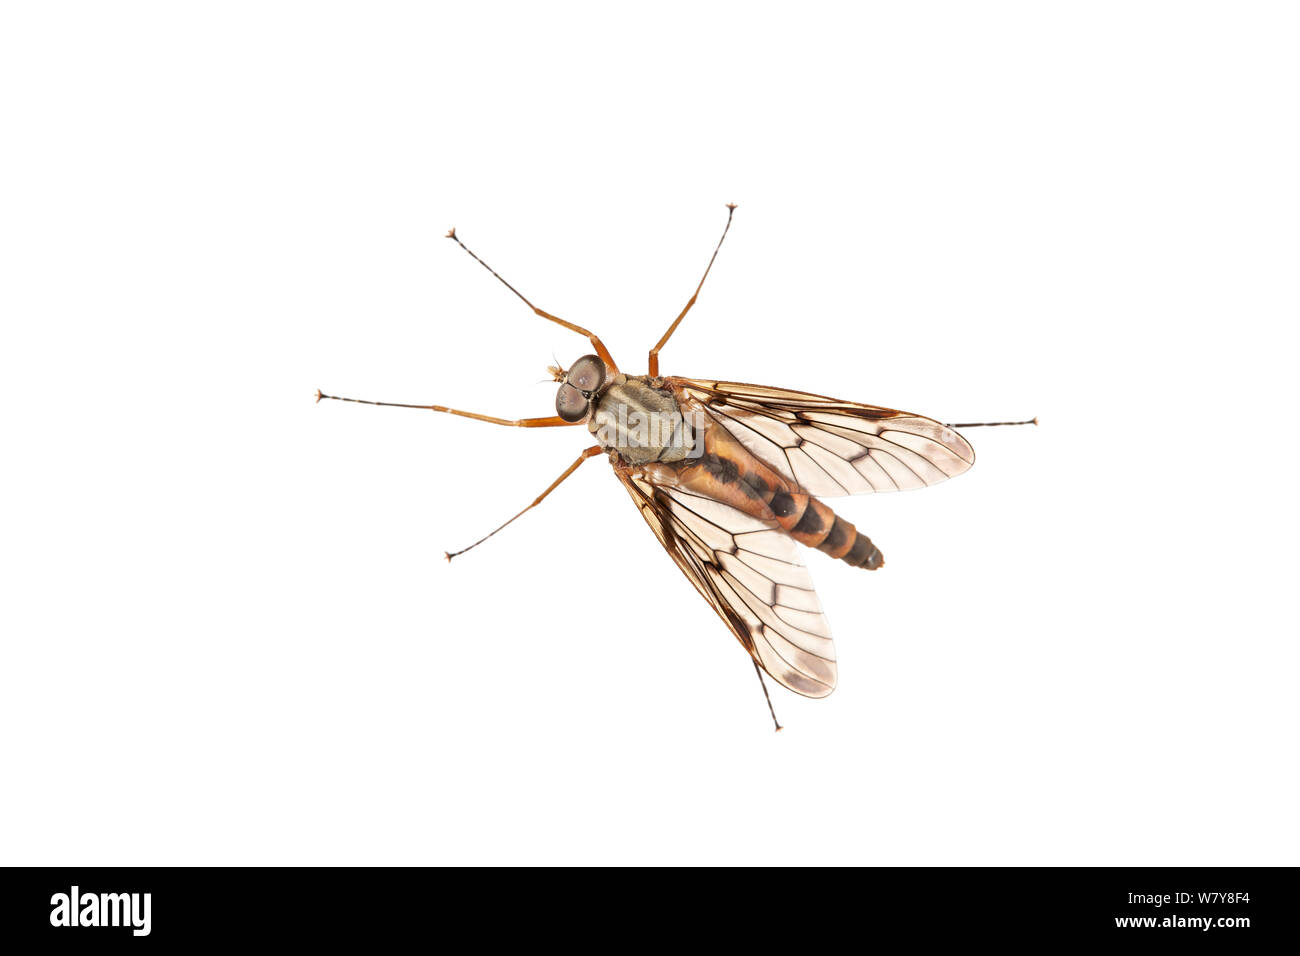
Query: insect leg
593	450
596	343
762	683
654	352
553	421
1032	421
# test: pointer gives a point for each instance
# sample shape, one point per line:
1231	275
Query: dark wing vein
750	572
831	447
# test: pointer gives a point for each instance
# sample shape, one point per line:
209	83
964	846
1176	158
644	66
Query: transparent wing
831	447
751	573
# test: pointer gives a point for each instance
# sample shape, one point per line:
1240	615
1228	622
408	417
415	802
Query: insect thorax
641	423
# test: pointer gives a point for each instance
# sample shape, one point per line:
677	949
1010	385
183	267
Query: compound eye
571	404
587	374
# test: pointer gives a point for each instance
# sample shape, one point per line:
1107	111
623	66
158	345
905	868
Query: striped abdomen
812	523
727	472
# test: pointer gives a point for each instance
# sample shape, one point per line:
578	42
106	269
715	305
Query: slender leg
593	450
762	683
654	352
1032	421
596	343
554	421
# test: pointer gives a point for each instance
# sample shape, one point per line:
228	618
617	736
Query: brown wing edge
787	396
942	452
661	524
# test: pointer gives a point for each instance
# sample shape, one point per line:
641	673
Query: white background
229	635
